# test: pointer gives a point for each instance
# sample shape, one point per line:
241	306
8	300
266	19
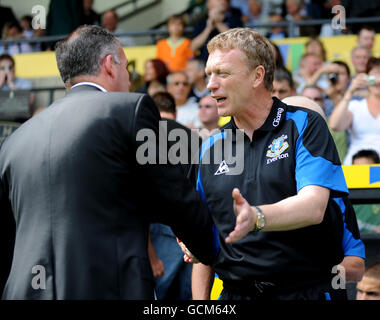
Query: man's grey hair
82	52
169	78
359	47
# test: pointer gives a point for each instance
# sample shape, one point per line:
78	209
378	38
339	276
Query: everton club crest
277	148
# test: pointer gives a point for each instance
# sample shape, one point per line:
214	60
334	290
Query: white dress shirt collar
87	83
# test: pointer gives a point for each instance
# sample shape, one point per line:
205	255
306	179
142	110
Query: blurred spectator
195	69
338	74
63	17
220	18
243	6
187	110
278	56
155	75
166	105
175	51
314	8
208	115
366	157
361	117
369	287
294	10
339	79
309	64
276	32
6	15
13	31
340	137
90	17
110	22
316	94
257	13
26	26
29	32
315	45
8	80
366	37
359	59
368	215
283	84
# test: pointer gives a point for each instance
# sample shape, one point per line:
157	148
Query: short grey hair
360	47
82	52
169	78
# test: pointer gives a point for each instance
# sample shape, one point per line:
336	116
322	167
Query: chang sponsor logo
276	121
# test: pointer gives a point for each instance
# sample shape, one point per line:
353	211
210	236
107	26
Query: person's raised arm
326	68
341	117
200	39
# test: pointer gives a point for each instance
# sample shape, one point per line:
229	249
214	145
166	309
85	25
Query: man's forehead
369	284
179	76
224	56
5	62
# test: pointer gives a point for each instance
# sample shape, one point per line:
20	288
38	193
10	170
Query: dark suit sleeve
184	211
7	235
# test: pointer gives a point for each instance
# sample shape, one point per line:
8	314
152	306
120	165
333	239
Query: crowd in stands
350	100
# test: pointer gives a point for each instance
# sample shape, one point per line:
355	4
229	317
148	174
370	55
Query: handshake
246	217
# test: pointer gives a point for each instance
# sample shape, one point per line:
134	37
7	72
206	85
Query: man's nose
212	84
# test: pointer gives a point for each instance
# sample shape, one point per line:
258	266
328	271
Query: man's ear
258	76
108	65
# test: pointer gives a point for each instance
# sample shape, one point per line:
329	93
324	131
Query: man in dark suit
79	193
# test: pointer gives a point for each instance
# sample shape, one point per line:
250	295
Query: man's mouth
220	99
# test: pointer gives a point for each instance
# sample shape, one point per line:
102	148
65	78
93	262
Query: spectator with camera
338	75
8	79
310	63
361	117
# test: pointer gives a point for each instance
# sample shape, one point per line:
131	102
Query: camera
333	77
371	80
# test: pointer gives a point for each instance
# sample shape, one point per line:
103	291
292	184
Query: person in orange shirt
175	51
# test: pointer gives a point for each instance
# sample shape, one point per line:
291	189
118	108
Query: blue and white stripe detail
351	246
312	170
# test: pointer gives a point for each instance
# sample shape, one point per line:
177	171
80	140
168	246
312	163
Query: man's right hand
188	256
245	217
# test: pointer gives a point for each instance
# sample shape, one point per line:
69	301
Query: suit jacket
82	203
